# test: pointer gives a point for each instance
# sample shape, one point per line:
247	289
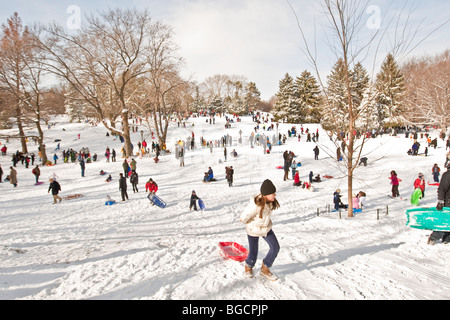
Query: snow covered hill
83	249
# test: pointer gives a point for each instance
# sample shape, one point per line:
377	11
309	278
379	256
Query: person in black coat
194	199
443	201
134	179
123	187
55	187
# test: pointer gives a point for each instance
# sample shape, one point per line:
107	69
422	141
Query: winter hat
267	188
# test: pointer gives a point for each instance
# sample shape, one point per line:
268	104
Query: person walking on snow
395	183
316	152
83	166
134	179
123	187
443	201
13	177
258	223
436	171
37	172
193	202
56	188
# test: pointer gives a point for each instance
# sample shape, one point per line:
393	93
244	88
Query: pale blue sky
258	39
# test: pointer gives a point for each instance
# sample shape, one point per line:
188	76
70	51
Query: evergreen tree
285	96
236	105
217	105
390	87
308	92
360	81
198	102
335	113
252	97
367	111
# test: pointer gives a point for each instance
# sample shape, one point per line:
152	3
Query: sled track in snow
431	274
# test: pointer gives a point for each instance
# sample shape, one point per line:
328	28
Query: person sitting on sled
337	200
210	174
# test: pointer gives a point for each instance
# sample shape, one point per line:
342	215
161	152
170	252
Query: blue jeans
253	243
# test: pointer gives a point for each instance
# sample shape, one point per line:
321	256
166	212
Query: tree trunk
23	139
126	134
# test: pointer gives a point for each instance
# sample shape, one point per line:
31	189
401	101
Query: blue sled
157	201
201	204
345	209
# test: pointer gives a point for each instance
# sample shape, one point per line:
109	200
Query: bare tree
15	51
164	84
428	90
101	61
346	39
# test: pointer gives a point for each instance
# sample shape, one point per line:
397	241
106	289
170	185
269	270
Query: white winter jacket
254	225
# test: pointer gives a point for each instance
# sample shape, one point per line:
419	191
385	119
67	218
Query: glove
440	206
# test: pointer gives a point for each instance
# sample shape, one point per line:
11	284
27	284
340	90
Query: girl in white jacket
256	218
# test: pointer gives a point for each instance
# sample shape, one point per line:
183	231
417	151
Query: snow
83	249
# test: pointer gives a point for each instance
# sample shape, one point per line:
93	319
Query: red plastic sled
433	183
233	251
328	177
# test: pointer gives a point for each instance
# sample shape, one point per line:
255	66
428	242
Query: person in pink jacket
395	183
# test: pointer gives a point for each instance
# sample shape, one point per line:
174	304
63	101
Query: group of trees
427	90
378	103
225	93
299	100
120	63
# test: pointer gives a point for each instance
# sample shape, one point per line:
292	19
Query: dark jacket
336	198
134	178
123	183
444	189
194	198
55	187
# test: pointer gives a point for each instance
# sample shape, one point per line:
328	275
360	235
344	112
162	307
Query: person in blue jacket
210	174
337	200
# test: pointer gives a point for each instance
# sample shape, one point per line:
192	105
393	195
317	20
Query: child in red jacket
420	183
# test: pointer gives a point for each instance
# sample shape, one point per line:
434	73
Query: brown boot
265	272
248	271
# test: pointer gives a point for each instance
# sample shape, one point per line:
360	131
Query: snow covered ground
82	249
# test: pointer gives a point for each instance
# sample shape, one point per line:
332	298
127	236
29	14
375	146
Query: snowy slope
82	249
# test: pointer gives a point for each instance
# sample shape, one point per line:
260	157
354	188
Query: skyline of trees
137	69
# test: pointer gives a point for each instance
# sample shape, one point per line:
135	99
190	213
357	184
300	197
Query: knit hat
267	188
